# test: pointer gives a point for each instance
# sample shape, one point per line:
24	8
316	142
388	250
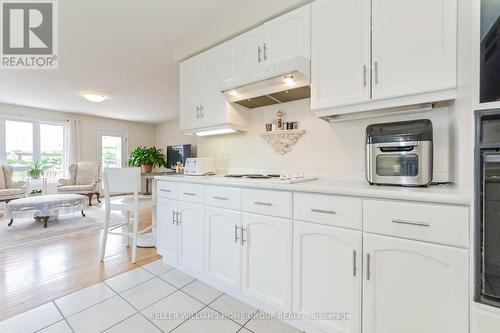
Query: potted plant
37	169
147	158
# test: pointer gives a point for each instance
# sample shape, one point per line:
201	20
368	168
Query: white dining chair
124	180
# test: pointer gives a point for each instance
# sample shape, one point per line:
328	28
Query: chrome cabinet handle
368	264
202	111
179	218
173	217
191	194
260	203
324	211
265	51
236	238
243	240
259	50
417	223
364	75
354	264
220	198
163	190
376	71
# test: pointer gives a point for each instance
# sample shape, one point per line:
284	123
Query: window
29	141
111	148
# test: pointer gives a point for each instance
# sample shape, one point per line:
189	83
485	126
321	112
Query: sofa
10	189
85	178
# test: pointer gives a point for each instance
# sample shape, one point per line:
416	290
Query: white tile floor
153	299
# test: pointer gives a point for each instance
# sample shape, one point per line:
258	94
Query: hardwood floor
33	275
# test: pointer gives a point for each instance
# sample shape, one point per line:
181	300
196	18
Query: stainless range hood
281	82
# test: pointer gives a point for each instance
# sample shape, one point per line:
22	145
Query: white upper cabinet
202	104
288	36
414	287
340	52
371	55
414	46
327	275
247	51
282	38
215	69
191	92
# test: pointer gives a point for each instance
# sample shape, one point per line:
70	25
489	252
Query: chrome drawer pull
263	203
236	238
220	198
324	211
417	223
163	190
190	194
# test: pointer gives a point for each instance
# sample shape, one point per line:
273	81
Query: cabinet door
191	233
191	92
167	229
288	36
247	52
267	249
414	287
327	275
414	46
223	246
340	53
216	68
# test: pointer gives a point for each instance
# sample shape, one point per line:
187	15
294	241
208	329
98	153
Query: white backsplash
326	150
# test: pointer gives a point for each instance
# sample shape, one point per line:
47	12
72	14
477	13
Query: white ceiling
126	49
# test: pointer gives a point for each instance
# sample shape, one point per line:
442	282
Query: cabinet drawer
223	197
274	203
191	192
167	190
332	210
445	224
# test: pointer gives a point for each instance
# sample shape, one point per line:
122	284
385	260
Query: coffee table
43	207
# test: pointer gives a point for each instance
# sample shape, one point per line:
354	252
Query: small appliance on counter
399	153
200	166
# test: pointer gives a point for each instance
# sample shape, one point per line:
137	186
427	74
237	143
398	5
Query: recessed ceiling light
94	97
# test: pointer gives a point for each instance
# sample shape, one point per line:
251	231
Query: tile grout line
64	318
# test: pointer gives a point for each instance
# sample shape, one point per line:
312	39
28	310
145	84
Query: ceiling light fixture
289	80
94	97
234	93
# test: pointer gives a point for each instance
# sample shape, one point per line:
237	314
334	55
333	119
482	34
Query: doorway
112	148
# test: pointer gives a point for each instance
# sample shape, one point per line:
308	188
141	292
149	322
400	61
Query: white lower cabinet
414	287
223	246
327	276
191	236
267	256
343	280
167	237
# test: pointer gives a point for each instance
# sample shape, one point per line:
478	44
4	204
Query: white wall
325	149
138	133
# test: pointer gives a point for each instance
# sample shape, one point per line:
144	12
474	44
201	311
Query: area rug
26	231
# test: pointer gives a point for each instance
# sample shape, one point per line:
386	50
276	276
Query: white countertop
436	193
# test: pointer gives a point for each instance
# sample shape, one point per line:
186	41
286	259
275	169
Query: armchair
85	178
10	189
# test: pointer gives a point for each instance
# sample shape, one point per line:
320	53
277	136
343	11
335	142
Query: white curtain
72	143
